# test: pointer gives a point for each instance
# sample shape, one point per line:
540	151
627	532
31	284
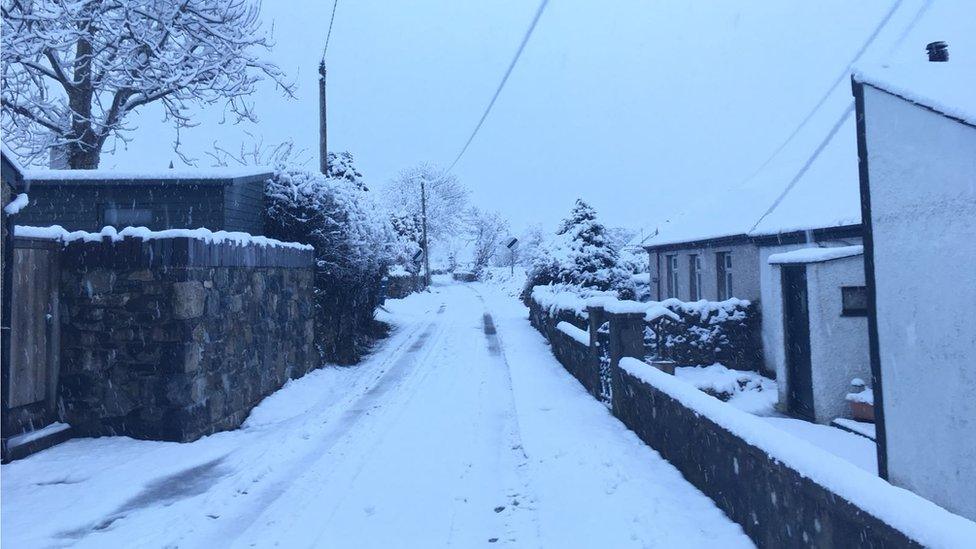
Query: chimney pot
938	52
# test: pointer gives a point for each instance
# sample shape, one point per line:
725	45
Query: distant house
216	199
917	148
721	247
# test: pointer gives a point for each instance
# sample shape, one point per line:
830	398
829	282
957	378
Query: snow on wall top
57	232
918	518
147	175
943	87
815	255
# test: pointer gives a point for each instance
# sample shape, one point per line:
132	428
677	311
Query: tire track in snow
335	429
523	500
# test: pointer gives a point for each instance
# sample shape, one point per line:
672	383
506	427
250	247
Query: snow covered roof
815	255
946	88
148	177
828	195
728	214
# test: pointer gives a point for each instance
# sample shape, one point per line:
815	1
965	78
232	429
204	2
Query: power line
518	53
841	77
847	113
806	165
328	35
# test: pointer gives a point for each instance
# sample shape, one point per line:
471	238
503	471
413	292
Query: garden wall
783	491
176	338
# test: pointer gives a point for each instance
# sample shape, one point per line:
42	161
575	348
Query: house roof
946	88
827	195
784	198
815	255
209	176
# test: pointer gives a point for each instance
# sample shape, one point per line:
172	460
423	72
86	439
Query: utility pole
323	148
423	217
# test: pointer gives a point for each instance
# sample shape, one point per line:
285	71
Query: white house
917	150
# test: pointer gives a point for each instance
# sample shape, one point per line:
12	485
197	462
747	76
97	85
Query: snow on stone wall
923	216
796	495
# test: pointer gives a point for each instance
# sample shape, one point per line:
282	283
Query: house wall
237	206
745	271
771	300
838	344
922	187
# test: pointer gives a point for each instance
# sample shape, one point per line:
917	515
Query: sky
641	108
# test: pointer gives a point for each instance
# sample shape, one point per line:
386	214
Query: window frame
695	277
105	208
672	273
845	310
723	268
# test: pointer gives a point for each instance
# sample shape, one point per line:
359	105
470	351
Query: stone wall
175	339
775	504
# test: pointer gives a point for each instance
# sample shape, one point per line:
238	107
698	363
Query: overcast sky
639	107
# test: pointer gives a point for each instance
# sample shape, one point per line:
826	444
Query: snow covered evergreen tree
589	259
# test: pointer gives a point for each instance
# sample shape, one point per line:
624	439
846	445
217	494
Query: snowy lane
461	430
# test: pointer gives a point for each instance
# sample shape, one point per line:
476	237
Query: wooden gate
31	380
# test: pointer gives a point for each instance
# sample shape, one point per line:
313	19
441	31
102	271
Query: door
796	330
34	333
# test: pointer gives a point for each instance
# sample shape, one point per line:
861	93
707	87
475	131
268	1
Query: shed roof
815	255
208	176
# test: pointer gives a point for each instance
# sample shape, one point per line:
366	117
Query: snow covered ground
461	430
753	393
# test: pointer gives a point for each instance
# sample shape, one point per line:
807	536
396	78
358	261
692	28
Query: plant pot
862	411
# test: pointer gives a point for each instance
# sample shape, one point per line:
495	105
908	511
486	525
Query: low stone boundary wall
176	338
783	491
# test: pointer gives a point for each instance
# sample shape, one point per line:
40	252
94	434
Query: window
126	217
695	270
854	300
723	266
672	275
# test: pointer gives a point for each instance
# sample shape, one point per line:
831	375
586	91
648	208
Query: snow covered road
461	430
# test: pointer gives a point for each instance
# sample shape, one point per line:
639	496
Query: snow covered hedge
354	246
707	332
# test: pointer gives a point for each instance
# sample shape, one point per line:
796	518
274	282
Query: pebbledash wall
176	338
783	491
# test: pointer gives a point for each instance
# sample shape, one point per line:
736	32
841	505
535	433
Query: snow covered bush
354	246
707	332
747	391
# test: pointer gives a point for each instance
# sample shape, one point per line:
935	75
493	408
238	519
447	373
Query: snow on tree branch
73	70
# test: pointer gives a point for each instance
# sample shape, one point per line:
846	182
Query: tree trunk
84	150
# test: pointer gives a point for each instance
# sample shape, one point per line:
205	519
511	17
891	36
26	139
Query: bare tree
485	231
73	70
447	199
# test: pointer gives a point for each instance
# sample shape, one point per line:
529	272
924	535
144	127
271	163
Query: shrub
354	245
708	332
